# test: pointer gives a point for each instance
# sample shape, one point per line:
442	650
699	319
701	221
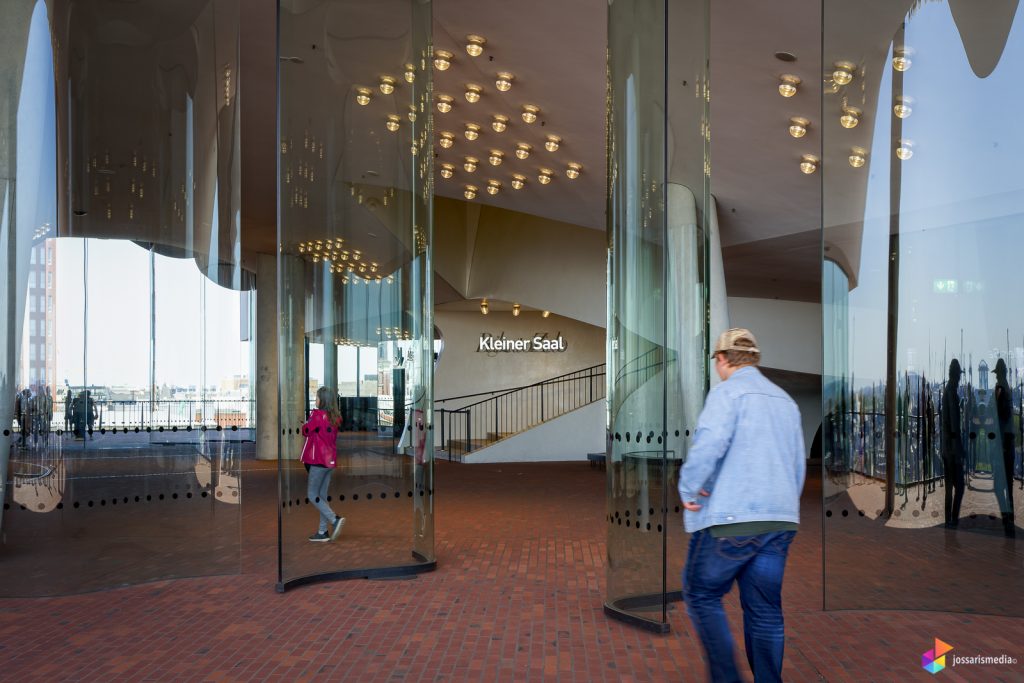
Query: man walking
741	485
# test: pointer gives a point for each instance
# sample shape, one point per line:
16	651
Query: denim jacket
748	453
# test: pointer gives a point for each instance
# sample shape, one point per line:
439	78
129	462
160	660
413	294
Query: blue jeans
757	563
316	490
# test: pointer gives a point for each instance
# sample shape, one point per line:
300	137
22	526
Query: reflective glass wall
354	275
923	189
657	293
126	317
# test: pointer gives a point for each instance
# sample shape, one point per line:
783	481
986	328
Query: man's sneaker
320	538
338	523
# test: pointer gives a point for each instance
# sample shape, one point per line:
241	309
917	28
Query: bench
596	459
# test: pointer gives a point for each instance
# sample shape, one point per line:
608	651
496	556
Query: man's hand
694	506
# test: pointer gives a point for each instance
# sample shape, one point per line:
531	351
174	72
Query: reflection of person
952	446
319	455
90	411
68	403
741	485
1002	469
23	408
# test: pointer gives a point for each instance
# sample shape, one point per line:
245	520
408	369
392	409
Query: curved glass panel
354	272
924	335
124	392
657	294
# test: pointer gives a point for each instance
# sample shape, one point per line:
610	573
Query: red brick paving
517	595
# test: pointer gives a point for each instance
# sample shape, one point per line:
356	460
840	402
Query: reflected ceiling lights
493	187
850	117
788	84
902	108
545	314
858	156
522	150
499	123
573	171
472	131
442	60
447	171
808	164
363	96
410	73
470	193
412	113
475	45
551	144
842	74
518	181
473	93
387	85
394	121
444	103
515	309
483	307
798	126
470	164
446	140
503	82
495	158
530	113
901	59
544	176
905	150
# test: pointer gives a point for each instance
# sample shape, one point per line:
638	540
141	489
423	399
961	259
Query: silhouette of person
1002	469
69	413
952	446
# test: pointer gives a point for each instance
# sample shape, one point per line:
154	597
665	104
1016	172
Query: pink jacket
321	445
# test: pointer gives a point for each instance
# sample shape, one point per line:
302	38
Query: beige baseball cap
727	341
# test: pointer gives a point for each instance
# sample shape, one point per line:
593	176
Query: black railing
100	415
466	427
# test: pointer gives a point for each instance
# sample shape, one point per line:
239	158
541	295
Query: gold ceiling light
552	143
446	140
544	176
410	73
842	73
469	163
447	171
522	150
470	193
850	117
412	113
493	187
499	123
444	103
475	45
495	157
516	308
472	131
394	122
808	164
518	181
901	59
798	126
484	308
905	150
858	156
788	84
503	81
387	85
573	170
363	96
530	112
902	108
473	93
545	314
442	59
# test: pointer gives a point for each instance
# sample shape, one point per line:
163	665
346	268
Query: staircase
471	422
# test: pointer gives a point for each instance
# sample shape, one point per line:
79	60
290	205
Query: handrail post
541	388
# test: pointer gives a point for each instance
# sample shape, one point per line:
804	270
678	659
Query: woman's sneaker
320	538
336	529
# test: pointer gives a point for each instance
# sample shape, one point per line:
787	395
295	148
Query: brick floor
517	595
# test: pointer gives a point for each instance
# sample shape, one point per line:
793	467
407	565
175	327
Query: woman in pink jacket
320	455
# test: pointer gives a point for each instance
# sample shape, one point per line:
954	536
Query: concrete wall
788	332
569	437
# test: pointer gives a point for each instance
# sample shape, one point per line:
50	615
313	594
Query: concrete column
267	375
292	353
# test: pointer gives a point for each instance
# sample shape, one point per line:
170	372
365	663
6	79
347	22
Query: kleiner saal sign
539	342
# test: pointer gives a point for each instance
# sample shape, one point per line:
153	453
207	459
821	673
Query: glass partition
354	277
923	190
124	391
657	298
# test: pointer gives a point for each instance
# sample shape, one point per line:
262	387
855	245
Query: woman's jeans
319	482
757	563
